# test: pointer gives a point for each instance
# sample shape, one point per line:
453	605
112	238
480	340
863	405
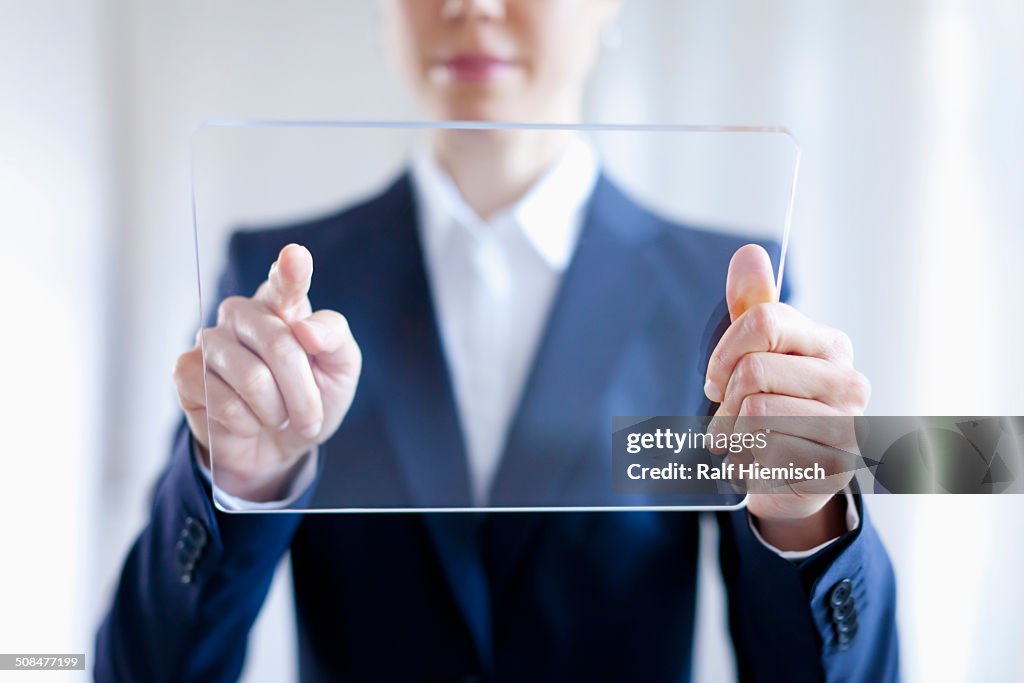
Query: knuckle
193	410
215	347
282	347
185	366
256	380
853	388
860	388
843	345
340	331
750	373
336	319
214	337
763	319
755	405
719	361
228	308
228	411
180	368
845	433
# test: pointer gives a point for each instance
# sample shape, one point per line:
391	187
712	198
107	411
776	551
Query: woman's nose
473	9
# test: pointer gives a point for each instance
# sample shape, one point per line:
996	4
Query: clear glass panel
510	315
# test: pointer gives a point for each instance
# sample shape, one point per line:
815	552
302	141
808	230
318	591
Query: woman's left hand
775	362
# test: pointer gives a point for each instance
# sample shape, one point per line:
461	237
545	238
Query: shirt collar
550	215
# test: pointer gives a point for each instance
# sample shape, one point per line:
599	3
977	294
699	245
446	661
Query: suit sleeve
195	578
829	617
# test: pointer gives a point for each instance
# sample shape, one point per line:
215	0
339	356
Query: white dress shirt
493	283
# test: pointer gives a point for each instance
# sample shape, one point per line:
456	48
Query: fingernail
712	391
312	431
284	425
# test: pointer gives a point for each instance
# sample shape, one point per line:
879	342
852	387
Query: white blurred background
907	234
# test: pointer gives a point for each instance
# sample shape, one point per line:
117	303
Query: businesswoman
452	339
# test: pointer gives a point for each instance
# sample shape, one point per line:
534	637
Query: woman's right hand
279	380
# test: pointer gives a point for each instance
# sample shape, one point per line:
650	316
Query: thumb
751	280
286	289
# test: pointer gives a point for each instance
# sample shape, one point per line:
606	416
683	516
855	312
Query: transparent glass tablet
517	292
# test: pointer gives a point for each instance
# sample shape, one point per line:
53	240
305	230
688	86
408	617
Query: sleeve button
844	611
842	591
847	627
846	637
191	539
194	531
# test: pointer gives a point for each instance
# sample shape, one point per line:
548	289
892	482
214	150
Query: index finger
286	289
776	328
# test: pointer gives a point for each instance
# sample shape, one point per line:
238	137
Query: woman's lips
476	68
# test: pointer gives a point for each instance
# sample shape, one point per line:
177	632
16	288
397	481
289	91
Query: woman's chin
480	103
482	109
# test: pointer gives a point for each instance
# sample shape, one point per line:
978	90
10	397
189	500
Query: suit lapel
607	292
405	373
609	289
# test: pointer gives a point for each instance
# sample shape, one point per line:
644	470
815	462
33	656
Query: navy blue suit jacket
594	596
